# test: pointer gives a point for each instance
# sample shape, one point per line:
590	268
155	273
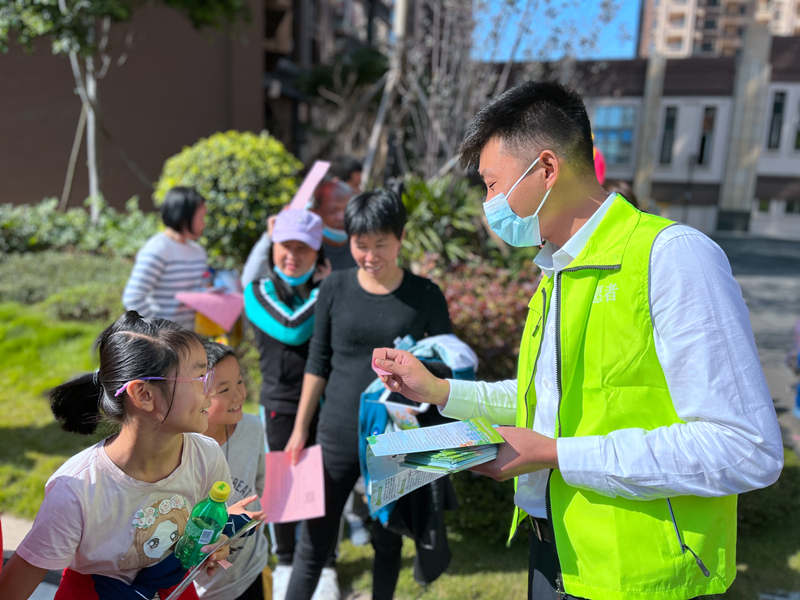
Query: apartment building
682	28
713	142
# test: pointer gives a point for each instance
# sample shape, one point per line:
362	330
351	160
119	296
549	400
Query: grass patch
38	354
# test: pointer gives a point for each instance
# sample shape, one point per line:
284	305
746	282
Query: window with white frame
668	137
706	135
776	121
613	132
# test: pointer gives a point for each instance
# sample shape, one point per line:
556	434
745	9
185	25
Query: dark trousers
255	591
318	536
279	430
544	570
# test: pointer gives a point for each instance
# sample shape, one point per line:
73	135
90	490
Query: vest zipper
685	547
559	391
538	352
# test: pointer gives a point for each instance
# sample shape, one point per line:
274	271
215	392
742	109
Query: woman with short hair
171	261
357	310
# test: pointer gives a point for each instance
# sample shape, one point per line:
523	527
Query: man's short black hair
378	211
180	204
344	166
532	117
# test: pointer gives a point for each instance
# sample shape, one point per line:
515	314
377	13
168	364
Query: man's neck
575	207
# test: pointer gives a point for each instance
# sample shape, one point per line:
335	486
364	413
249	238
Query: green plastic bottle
205	525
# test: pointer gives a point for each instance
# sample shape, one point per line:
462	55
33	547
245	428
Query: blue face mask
295	281
337	236
508	225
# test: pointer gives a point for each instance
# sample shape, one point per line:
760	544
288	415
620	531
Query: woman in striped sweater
171	261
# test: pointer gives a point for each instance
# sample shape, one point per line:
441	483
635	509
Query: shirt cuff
460	402
581	464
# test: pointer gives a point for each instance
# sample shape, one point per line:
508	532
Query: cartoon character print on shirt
156	529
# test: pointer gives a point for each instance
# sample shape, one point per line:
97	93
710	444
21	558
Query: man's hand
410	377
524	451
213	561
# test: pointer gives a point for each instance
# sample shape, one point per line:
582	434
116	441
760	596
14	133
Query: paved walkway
769	273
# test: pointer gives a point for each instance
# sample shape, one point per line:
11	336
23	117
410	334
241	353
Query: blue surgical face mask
337	236
508	225
295	281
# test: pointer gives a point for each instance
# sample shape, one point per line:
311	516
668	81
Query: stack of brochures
450	461
402	461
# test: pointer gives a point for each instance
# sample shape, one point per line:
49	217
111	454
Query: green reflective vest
609	378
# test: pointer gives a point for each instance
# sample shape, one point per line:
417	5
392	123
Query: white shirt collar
552	259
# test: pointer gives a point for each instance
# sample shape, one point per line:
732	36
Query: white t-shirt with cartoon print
97	520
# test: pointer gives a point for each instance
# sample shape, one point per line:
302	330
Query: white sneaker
280	581
328	586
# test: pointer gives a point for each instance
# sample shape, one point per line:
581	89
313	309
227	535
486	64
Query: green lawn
40	351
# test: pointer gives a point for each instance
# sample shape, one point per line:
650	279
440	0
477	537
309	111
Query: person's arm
439	315
730	441
138	294
318	368
313	386
458	399
19	579
257	264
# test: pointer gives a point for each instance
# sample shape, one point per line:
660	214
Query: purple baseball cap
298	225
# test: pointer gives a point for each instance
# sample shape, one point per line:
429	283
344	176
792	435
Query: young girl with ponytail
113	513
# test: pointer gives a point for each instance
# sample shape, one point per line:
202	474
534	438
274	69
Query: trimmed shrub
29	278
244	178
37	227
86	303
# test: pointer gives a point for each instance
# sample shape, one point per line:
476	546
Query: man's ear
142	395
552	165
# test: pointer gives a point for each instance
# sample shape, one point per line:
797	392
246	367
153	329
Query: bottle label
206	536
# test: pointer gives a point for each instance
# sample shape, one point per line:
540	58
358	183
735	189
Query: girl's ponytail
76	404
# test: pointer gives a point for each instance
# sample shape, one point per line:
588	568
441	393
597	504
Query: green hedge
37	227
244	178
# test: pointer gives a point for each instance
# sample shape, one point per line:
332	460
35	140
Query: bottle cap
220	492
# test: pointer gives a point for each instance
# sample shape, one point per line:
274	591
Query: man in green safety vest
640	409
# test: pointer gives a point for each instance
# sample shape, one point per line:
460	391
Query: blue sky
553	25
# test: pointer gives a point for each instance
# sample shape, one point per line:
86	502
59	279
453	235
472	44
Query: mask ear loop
528	170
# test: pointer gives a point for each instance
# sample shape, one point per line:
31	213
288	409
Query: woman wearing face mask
171	261
358	310
281	307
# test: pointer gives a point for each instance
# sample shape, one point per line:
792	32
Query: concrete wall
176	86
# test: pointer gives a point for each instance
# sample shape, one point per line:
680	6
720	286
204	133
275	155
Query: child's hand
221	554
239	509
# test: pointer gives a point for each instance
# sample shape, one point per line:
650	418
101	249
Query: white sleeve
730	441
471	399
57	530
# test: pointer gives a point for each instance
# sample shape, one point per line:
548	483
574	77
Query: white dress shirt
730	442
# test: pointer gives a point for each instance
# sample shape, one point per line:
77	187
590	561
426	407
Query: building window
743	9
613	133
740	31
797	136
792	207
710	24
706	135
763	206
712	2
670	121
776	122
708	46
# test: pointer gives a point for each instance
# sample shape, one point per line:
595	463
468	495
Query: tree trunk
91	141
